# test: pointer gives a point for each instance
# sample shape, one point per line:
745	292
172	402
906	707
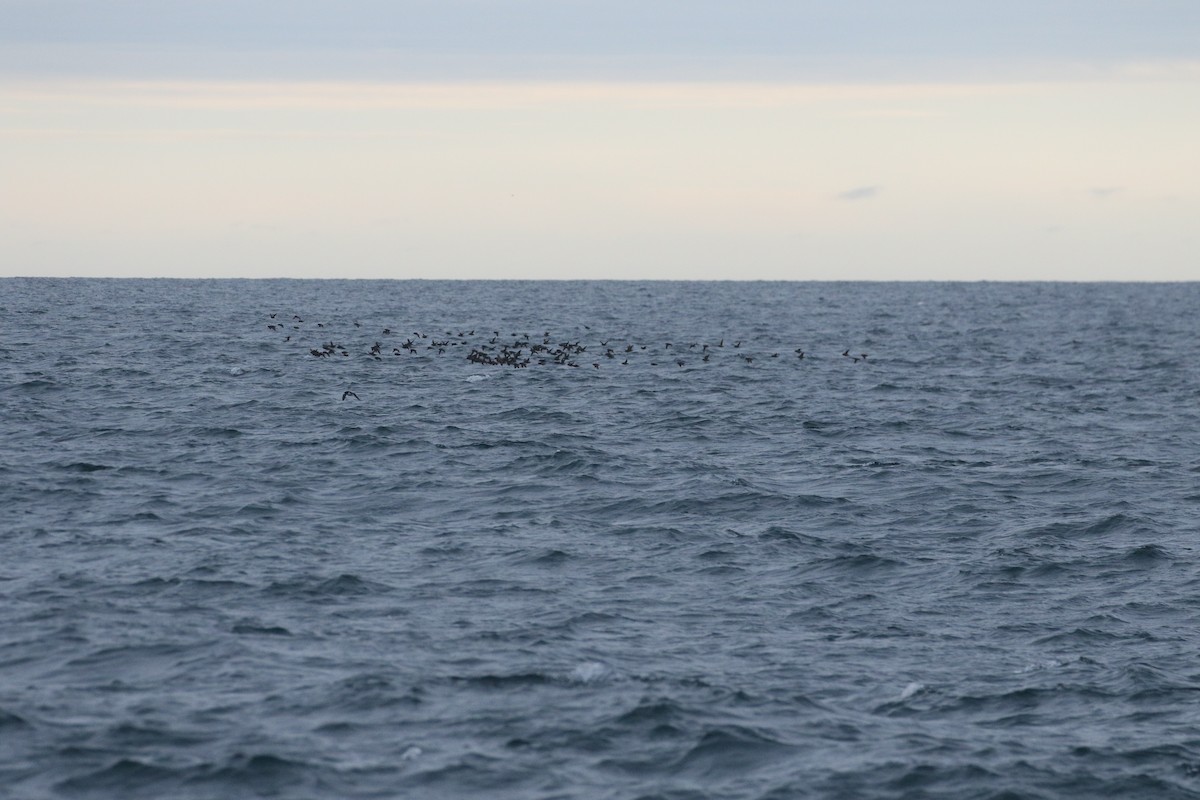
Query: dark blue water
962	567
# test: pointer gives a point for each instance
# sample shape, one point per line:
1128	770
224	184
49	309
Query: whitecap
590	672
911	689
1037	666
476	378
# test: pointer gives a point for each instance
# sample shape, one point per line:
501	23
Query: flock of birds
522	350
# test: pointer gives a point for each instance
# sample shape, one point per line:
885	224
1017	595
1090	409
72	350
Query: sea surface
962	565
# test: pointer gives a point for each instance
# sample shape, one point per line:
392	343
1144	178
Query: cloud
859	193
595	39
24	96
1101	192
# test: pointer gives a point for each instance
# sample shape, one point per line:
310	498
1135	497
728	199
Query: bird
349	393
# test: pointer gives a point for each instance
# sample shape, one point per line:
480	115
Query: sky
647	139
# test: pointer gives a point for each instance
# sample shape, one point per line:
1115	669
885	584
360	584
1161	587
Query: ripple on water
962	569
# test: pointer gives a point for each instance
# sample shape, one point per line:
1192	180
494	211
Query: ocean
438	539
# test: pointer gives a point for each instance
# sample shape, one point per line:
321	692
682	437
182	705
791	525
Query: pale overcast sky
926	139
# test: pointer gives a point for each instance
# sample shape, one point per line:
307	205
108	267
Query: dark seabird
349	393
